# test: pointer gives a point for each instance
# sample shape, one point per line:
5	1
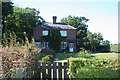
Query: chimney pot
54	19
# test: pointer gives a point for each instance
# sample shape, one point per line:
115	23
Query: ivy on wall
54	38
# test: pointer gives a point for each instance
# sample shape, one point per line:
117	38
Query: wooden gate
55	70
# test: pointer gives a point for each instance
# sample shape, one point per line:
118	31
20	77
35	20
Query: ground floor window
41	44
63	45
38	44
45	44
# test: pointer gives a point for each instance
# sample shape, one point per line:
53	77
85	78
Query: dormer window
45	33
63	33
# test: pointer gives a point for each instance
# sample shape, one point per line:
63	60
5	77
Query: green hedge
115	48
92	68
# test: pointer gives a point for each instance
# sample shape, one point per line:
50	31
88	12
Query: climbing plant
54	38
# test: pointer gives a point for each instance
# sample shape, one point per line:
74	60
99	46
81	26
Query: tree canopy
85	38
79	23
23	20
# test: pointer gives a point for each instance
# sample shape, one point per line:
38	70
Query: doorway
71	47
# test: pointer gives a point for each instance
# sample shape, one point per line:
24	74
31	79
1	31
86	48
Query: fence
51	70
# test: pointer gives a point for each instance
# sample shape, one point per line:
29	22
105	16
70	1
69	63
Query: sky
102	14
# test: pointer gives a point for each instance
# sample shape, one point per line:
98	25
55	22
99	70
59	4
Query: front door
71	47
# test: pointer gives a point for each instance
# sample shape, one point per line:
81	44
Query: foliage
92	72
54	38
84	53
86	39
17	57
79	23
10	39
115	48
7	9
23	20
47	51
92	68
47	58
105	46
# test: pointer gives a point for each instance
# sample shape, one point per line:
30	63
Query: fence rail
51	70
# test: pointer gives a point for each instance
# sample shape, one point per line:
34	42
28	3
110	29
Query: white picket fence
22	74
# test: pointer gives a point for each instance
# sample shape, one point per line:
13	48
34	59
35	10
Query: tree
54	38
105	46
95	40
7	9
79	23
23	20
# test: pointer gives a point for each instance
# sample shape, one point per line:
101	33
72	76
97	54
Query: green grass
112	56
63	57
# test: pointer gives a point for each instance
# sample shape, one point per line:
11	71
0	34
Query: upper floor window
45	33
63	33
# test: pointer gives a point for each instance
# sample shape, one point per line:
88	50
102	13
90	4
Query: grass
112	56
63	57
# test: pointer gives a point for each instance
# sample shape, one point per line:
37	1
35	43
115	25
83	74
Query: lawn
112	56
63	57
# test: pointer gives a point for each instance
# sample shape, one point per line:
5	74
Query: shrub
115	48
85	53
92	68
17	57
48	58
48	51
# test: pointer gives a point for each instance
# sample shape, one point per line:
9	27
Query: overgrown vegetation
54	38
47	58
15	55
115	48
93	68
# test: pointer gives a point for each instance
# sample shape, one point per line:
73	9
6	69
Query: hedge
92	68
115	48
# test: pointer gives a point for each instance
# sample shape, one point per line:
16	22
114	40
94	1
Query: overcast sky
102	14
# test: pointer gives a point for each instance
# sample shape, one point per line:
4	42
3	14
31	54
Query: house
67	31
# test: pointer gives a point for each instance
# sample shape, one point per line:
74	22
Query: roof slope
54	26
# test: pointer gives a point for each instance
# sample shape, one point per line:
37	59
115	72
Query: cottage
66	30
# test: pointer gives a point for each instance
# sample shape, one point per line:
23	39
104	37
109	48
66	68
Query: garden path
56	57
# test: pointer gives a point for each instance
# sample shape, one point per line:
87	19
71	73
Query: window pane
63	45
63	33
45	44
45	33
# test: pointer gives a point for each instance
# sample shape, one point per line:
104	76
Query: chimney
54	19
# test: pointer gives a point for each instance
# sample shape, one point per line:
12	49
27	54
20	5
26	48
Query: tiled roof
54	26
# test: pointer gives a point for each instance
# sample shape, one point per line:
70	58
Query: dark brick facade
71	36
71	32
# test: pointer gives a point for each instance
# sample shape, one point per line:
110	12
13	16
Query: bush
115	48
17	57
85	53
92	68
47	58
47	51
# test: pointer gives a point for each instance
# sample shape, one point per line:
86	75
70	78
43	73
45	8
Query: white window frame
63	33
44	44
45	32
38	44
63	45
